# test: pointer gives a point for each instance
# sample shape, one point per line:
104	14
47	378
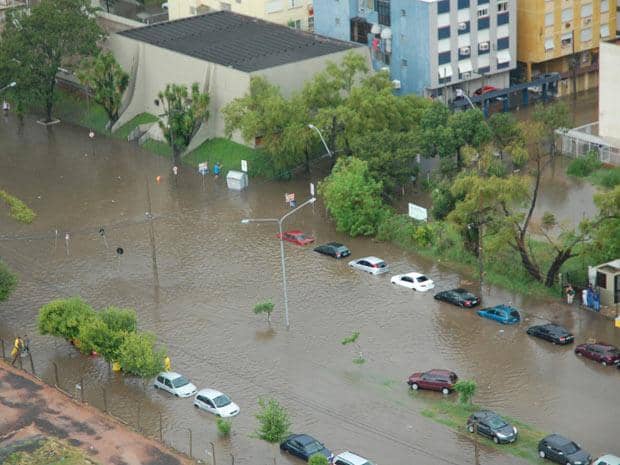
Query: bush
64	317
274	421
119	319
96	336
8	281
466	390
582	167
606	177
18	209
318	459
264	307
223	427
138	355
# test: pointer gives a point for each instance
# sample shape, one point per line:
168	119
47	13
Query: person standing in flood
570	294
18	346
216	170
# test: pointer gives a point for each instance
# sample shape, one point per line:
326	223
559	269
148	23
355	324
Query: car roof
371	259
351	457
557	439
170	374
293	231
304	439
486	414
460	290
554	327
413	274
438	371
608	458
210	393
335	244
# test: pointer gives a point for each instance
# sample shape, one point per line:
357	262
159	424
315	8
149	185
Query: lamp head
245	221
12	84
312	126
313	199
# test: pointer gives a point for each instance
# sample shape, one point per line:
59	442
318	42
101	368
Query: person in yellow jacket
167	363
18	346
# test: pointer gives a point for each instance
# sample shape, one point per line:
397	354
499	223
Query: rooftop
241	42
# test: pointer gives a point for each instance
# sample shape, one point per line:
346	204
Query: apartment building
430	47
297	14
563	36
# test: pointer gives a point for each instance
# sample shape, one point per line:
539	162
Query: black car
552	333
460	297
561	450
491	425
333	249
304	446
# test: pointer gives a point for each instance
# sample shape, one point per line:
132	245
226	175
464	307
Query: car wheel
155	386
579	354
541	454
470	428
445	391
176	395
415	386
495	439
604	363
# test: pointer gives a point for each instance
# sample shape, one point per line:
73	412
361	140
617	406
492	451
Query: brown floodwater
212	270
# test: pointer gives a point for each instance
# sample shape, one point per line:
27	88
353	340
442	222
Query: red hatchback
296	237
484	90
434	380
599	352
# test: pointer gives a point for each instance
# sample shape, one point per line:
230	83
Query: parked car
599	352
304	446
433	380
175	384
607	459
371	265
460	297
503	314
561	450
333	249
413	280
484	90
552	333
296	237
349	458
216	402
491	425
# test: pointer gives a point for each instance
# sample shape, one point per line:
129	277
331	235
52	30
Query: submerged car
503	314
433	380
372	265
601	352
491	425
304	446
175	384
460	297
349	458
296	237
607	459
484	90
216	402
413	280
561	450
552	333
333	249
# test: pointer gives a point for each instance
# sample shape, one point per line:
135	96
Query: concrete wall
332	17
609	88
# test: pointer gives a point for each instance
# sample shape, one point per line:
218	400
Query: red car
296	237
599	352
434	380
484	90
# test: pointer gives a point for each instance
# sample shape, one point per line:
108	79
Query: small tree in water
466	390
223	427
352	339
264	307
274	422
318	459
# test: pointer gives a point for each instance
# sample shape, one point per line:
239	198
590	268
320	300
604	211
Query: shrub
606	177
18	209
584	166
274	422
264	307
223	427
8	281
318	459
120	319
466	390
96	336
139	356
64	317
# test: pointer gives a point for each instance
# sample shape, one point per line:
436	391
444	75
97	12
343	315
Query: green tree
264	307
139	356
466	390
223	427
18	210
318	459
437	138
353	197
64	317
8	282
120	319
353	339
96	336
107	80
553	116
184	111
274	423
36	42
469	128
505	131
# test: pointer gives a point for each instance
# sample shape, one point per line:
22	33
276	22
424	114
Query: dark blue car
304	446
503	314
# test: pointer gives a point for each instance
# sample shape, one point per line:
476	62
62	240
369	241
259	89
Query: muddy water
212	270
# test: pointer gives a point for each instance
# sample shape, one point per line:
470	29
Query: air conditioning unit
462	26
396	84
587	21
464	51
385	69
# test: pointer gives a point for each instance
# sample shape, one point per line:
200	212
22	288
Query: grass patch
583	166
454	416
18	209
229	154
606	177
158	148
49	452
143	118
72	107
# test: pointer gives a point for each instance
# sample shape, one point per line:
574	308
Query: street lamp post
461	93
312	126
279	221
8	86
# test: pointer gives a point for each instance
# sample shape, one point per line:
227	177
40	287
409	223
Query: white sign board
203	168
312	189
288	198
244	166
417	212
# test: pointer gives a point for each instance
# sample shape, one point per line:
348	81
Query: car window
483	424
363	263
570	448
407	279
296	444
341	462
314	447
421	279
381	265
180	382
160	379
453	378
222	401
497	422
168	383
514	314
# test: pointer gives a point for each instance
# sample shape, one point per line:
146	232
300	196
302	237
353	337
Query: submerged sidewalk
29	408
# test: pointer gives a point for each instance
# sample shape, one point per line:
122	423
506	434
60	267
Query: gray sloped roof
241	42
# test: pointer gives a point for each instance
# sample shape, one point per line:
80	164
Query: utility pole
149	215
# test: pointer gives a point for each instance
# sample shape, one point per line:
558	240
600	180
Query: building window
463	4
503	44
403	12
294	3
586	10
464	52
382	7
567	40
483	47
567	14
601	280
549	18
502	6
604	6
444	58
225	6
483	11
463	27
360	29
403	62
443	6
483	23
484	69
586	34
337	20
604	30
443	32
271	6
503	18
549	44
311	23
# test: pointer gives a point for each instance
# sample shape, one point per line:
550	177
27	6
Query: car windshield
300	236
380	265
613	352
180	382
570	448
342	248
314	447
496	422
421	279
514	314
222	401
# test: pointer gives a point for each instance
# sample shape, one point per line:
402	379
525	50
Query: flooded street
212	270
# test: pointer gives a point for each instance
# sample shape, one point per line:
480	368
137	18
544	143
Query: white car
413	280
372	265
607	459
216	402
349	458
175	384
164	6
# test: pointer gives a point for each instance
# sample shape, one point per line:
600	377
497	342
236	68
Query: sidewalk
28	408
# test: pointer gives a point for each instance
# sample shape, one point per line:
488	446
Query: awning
444	71
465	66
503	56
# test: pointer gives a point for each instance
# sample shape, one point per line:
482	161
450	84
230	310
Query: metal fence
581	141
